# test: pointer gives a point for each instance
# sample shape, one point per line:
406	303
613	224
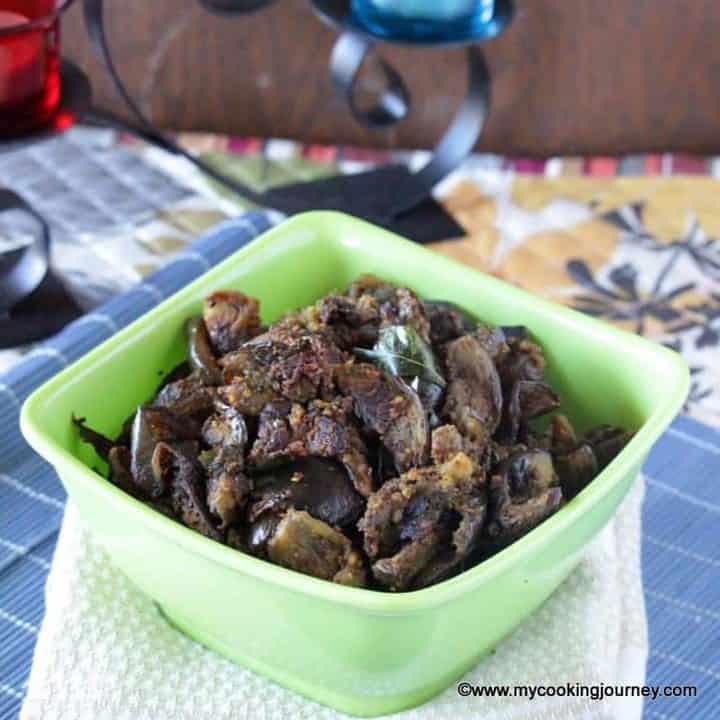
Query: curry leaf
400	351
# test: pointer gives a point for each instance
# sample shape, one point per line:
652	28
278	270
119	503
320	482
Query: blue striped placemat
681	567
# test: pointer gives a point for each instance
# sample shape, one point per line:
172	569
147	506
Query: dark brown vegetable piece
181	474
317	485
576	469
563	438
100	443
447	321
390	408
607	441
523	360
200	352
248	387
397	572
323	429
231	318
260	531
188	397
308	545
152	425
285	362
351	321
119	459
473	402
446	442
493	341
225	428
527	400
522	492
228	489
367	284
403	307
413	517
441	567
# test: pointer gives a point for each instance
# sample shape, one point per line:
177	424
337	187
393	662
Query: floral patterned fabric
642	253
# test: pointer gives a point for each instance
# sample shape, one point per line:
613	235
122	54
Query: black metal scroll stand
33	302
390	196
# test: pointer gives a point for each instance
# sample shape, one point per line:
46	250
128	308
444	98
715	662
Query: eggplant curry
373	439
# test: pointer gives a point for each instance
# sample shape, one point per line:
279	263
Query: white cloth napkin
105	653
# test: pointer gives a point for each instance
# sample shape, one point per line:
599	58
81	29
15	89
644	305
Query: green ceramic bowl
363	652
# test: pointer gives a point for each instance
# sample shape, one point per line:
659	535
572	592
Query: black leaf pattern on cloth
705	317
630	220
703	251
620	299
628	292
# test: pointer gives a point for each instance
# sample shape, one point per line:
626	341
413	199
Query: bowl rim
369	600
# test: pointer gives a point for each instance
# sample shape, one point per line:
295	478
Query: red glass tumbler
29	65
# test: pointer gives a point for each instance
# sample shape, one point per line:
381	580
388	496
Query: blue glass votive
426	20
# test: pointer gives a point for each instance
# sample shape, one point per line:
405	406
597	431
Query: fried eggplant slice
522	492
260	531
228	488
493	341
441	567
151	426
403	307
473	401
182	475
576	469
225	428
523	360
200	352
390	408
323	429
120	461
563	437
398	571
607	441
423	512
248	387
447	321
285	362
304	543
317	485
528	473
352	322
527	399
396	305
367	284
231	318
101	444
300	366
188	397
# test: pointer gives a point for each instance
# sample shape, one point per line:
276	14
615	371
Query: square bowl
360	651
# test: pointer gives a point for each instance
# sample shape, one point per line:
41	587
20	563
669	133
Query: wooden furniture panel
570	77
